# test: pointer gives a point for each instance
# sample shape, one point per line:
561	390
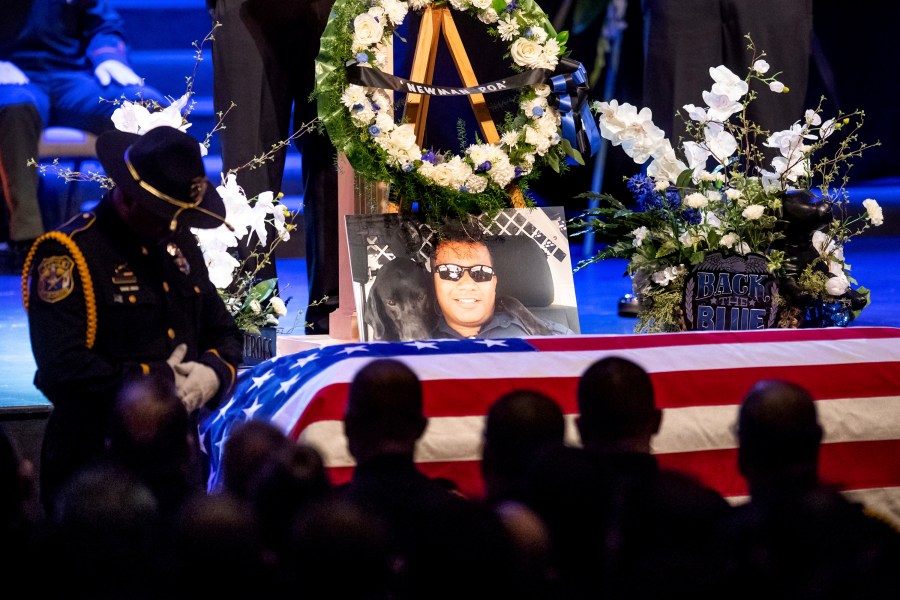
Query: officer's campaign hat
163	169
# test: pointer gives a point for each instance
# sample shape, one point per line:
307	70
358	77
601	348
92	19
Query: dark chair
524	273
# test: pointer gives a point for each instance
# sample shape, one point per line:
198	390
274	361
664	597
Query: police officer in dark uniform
123	292
264	62
57	57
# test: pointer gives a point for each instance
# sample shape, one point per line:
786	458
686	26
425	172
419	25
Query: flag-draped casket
699	379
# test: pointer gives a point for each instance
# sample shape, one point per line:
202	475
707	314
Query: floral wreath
359	120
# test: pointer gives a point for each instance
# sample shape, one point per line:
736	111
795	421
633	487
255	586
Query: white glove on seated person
110	70
11	74
200	383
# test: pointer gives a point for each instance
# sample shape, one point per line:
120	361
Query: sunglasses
478	273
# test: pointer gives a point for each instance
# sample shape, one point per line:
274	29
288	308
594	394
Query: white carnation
873	211
696	200
753	212
476	184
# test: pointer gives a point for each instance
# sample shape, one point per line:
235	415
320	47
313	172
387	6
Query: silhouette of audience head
218	548
106	536
778	434
150	434
248	447
287	482
384	412
16	484
517	426
617	409
339	549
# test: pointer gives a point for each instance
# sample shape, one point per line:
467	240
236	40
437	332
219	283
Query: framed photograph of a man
511	277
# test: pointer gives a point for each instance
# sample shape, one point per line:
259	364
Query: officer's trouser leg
20	132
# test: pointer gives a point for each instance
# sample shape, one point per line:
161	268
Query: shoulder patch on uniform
55	281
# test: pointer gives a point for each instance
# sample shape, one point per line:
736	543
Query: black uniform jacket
103	307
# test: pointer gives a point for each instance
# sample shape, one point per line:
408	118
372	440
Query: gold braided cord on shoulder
90	299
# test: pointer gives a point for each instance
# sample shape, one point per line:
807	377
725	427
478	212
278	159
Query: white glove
175	359
11	74
200	384
113	69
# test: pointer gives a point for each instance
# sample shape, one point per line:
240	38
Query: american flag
699	378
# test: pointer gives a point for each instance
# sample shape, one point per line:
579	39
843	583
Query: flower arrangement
361	123
735	189
252	303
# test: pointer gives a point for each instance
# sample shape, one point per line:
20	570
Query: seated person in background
57	58
465	285
797	537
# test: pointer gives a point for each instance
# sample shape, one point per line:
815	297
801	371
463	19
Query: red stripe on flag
674	389
849	466
663	340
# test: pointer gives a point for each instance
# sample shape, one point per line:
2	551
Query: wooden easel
434	22
355	196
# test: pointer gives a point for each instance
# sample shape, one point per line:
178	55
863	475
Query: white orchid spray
724	190
252	303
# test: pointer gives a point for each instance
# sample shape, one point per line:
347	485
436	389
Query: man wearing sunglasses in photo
465	285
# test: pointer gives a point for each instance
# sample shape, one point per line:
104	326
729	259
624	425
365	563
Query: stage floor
875	261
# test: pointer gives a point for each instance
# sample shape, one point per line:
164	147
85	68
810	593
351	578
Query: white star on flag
251	410
352	349
286	385
423	345
225	408
303	360
491	343
259	381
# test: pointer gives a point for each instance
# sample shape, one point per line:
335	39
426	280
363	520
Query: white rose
753	212
366	31
696	200
873	211
542	90
278	306
526	52
482	4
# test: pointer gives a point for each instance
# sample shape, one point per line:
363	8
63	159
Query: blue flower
517	172
358	107
692	216
429	157
362	57
463	188
376	107
537	111
408	167
483	167
512	6
644	191
374	130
